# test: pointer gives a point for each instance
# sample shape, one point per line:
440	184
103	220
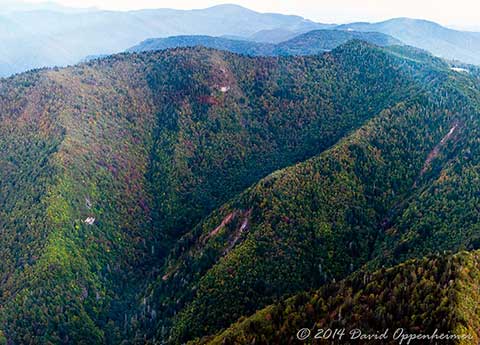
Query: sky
454	13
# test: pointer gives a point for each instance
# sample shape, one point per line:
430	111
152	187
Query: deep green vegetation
161	196
271	113
324	218
71	147
419	296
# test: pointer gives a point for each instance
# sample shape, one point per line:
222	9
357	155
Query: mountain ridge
310	43
108	201
234	256
346	305
61	39
64	37
439	40
164	195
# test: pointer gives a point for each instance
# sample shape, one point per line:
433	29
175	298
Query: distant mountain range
49	37
439	40
33	36
312	42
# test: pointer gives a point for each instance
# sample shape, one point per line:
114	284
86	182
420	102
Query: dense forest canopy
161	196
409	302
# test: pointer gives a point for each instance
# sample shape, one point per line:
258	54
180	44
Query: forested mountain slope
238	46
74	146
318	41
310	43
163	195
419	296
324	218
105	164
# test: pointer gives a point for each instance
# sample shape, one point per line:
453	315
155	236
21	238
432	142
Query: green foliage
71	152
420	296
322	219
209	145
147	197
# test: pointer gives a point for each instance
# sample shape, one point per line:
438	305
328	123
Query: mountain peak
407	20
228	8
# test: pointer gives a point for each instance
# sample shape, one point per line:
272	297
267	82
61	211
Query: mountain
38	35
439	40
274	35
324	218
317	41
46	34
310	43
281	34
396	298
232	45
160	196
9	6
106	164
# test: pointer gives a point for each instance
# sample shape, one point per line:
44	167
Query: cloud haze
463	13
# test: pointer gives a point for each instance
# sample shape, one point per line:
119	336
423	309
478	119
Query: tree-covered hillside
318	41
105	164
160	196
324	218
438	295
239	46
310	43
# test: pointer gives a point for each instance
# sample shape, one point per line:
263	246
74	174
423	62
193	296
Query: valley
227	176
219	184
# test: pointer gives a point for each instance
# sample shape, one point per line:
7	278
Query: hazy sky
459	13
